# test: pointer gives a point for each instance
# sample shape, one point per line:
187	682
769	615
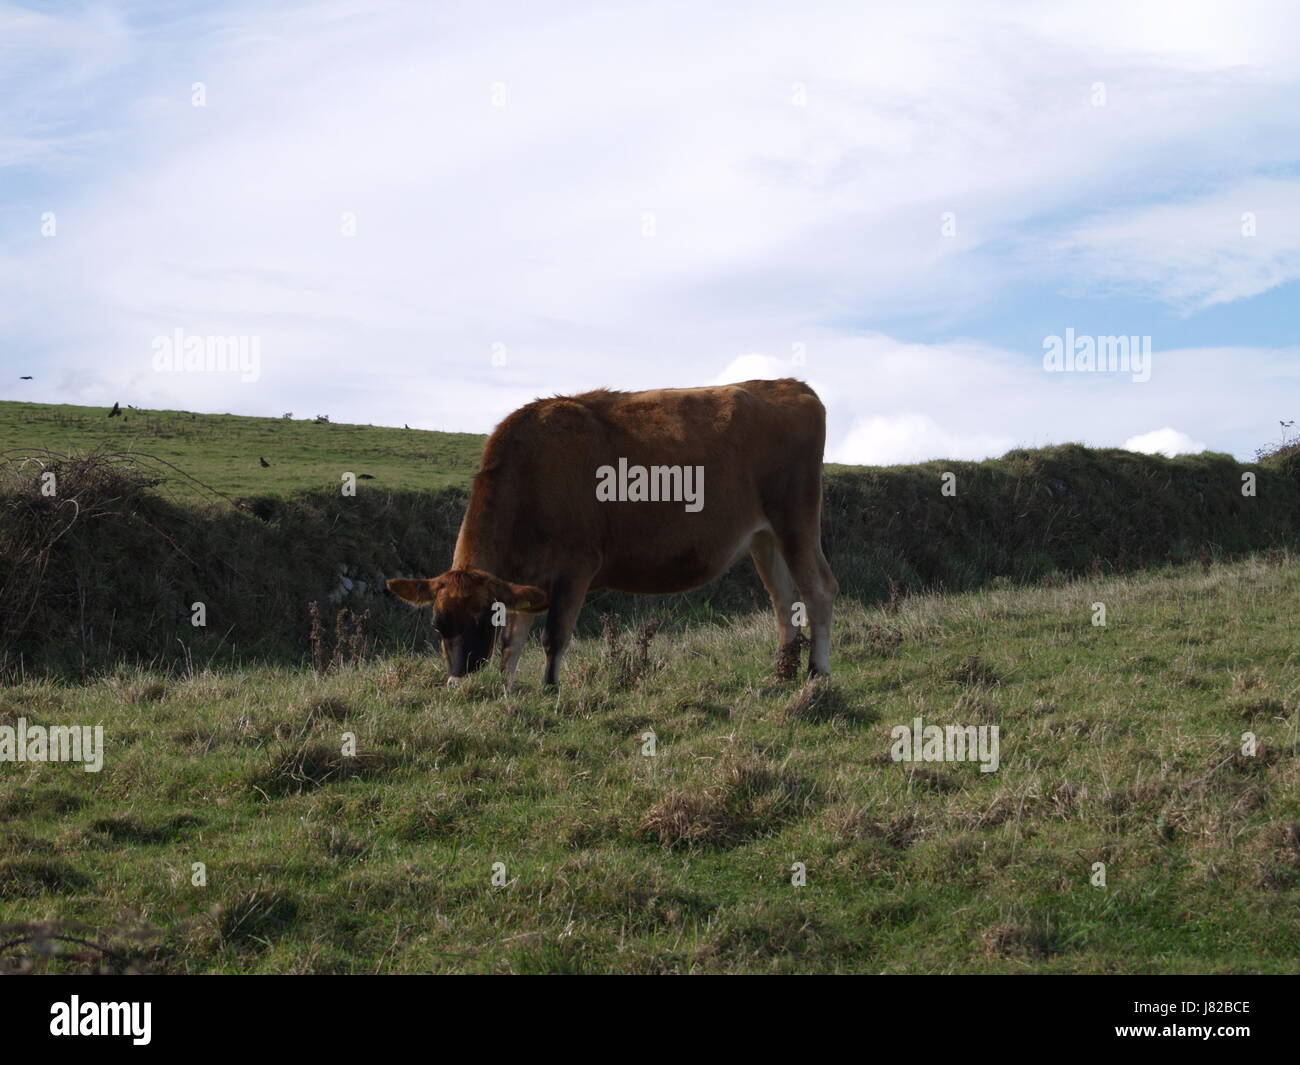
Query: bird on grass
116	412
265	465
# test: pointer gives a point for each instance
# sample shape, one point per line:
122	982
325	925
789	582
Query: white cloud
754	367
48	65
889	401
1229	245
898	373
1166	441
890	439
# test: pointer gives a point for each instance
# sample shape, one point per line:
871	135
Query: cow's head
468	607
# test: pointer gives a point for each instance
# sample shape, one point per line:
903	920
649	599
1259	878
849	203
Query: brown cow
607	490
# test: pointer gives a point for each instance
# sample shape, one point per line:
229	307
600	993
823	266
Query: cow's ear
417	592
525	599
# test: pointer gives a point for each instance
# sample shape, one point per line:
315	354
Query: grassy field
1119	744
222	450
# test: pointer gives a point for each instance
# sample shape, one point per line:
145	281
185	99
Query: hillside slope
1120	745
222	450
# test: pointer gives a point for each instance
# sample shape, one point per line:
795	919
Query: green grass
222	450
1119	745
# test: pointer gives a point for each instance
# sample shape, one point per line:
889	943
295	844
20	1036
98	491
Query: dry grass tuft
688	819
820	700
311	765
745	797
1023	940
1278	861
22	878
973	671
626	668
257	916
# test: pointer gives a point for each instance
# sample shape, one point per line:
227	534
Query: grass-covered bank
1119	744
108	565
223	453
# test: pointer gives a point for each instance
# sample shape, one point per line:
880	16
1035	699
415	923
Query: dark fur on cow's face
466	603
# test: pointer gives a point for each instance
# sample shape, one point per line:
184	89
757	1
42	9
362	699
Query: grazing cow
609	490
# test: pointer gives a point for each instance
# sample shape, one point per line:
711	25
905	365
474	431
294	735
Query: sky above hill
428	214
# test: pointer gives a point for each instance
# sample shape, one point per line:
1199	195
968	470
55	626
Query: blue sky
898	203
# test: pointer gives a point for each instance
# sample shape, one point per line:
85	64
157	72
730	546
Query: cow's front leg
512	643
566	598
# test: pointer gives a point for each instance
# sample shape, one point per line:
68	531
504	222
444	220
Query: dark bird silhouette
26	378
366	476
404	426
265	464
116	412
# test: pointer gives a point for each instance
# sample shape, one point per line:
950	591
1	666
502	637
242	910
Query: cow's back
758	443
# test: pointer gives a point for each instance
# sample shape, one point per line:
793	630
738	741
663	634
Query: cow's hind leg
817	588
566	596
780	585
512	643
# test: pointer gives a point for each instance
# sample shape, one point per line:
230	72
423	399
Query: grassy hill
156	511
222	450
1120	745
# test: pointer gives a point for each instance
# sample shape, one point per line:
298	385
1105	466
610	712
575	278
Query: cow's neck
486	535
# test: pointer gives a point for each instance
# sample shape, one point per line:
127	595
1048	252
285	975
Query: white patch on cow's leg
555	649
779	582
512	643
819	617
